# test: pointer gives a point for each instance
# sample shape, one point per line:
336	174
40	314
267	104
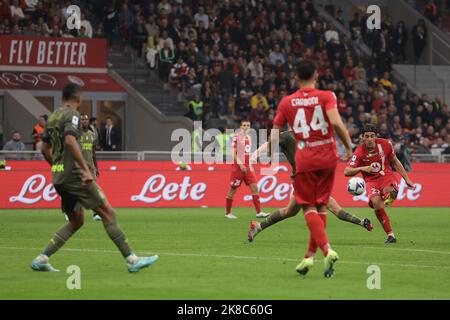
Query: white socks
42	258
132	258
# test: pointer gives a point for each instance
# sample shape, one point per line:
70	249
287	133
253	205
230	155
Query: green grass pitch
205	256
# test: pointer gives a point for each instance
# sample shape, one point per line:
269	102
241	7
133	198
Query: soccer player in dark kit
73	181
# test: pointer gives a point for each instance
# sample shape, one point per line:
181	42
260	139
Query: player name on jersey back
305	112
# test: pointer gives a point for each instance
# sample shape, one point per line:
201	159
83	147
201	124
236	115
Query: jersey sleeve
329	100
71	124
355	159
234	142
280	119
389	149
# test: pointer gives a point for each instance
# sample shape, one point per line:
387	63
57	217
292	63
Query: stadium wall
146	127
142	184
20	111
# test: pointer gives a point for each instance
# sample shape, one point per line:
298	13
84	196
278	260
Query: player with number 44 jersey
313	117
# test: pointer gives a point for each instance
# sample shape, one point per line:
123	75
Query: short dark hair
92	120
245	120
69	91
306	70
44	116
369	127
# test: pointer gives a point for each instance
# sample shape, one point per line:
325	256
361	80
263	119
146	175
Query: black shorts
75	195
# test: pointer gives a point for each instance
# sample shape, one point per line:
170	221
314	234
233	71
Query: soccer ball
356	186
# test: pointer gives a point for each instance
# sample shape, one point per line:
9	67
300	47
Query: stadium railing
167	156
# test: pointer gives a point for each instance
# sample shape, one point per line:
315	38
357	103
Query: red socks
384	220
316	224
229	204
312	248
256	203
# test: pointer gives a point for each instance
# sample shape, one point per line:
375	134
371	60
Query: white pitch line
232	257
335	245
397	249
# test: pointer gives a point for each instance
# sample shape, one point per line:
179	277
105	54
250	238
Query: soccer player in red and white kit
242	170
373	159
313	117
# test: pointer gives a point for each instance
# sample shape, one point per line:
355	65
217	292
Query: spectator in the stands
226	85
201	16
152	48
87	26
165	38
139	35
5	10
258	116
400	37
259	99
276	55
110	23
419	34
38	131
179	74
15	144
241	109
111	136
126	19
166	58
164	7
431	11
16	11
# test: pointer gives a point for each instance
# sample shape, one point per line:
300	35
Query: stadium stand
239	58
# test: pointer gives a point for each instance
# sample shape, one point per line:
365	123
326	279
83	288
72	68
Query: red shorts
237	176
314	187
375	187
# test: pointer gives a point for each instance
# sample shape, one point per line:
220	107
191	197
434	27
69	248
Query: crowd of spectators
436	11
236	59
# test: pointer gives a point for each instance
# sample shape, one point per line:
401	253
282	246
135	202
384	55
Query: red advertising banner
56	81
49	52
27	184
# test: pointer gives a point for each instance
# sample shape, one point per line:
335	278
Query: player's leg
281	214
256	202
337	210
63	234
236	178
229	201
390	192
115	233
378	206
250	181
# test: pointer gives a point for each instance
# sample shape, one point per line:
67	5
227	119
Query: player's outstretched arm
401	170
75	151
350	172
46	151
336	122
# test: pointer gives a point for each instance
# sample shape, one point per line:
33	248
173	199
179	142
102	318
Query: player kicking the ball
373	158
73	181
287	146
313	116
242	170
